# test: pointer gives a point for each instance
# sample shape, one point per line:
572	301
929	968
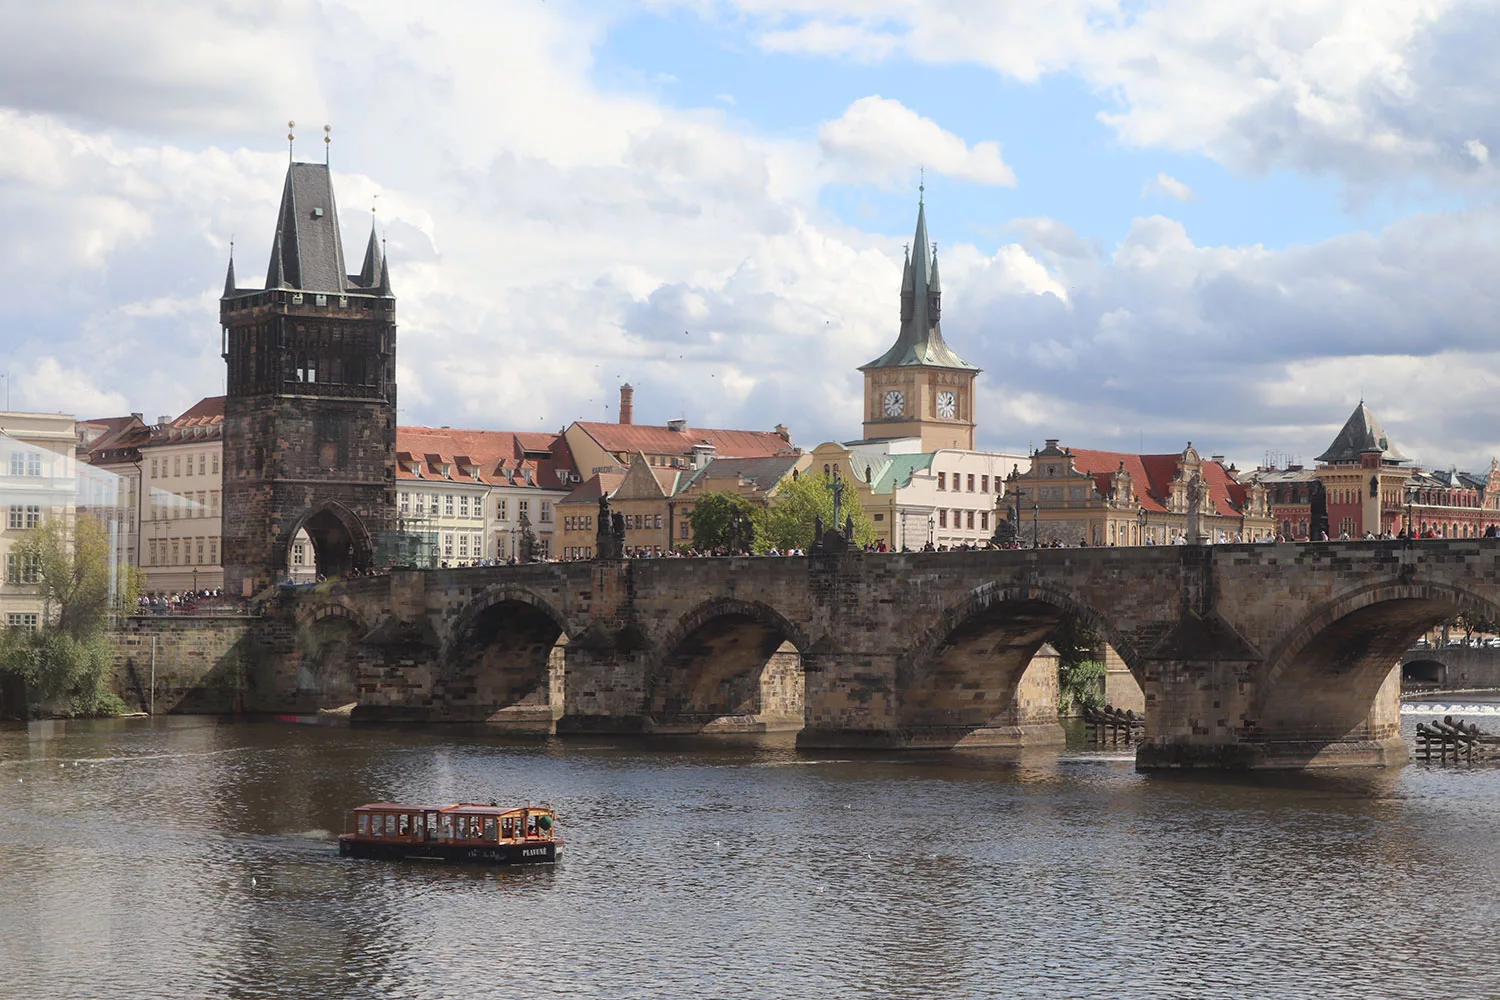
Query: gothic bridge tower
310	413
920	388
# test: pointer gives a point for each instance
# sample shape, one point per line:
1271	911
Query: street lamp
1036	538
1141	517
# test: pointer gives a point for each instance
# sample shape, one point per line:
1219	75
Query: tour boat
466	833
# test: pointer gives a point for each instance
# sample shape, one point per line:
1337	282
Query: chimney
627	404
164	419
783	433
1217	458
139	417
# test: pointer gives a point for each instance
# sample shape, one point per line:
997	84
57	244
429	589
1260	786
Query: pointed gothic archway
337	543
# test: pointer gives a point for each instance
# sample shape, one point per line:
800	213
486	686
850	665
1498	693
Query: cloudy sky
1159	220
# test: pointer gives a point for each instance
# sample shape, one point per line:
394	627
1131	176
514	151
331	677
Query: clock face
947	405
895	403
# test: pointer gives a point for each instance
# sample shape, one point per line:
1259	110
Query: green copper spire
921	339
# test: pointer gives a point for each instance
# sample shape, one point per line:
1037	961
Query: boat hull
545	853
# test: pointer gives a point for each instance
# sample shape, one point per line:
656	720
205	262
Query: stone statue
525	541
849	528
1195	494
817	542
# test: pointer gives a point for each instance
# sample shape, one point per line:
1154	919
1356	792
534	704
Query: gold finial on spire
290	138
327	141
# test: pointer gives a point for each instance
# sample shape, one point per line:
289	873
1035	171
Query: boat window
432	824
445	827
507	828
489	828
416	825
390	824
531	826
404	826
364	823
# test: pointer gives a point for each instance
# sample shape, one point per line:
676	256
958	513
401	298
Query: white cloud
1367	89
1167	186
549	245
881	140
1478	150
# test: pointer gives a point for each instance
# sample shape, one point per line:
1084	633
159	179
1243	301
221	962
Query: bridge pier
1203	715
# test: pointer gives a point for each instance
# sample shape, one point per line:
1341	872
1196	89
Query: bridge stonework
1249	655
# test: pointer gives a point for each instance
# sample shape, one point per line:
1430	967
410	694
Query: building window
984	484
153	468
176	465
984	520
463	545
942	517
405	501
213	552
658	520
523	508
26	620
546	512
214	464
25	516
971	515
500	509
447	504
203	464
22	570
432	504
685	529
942	480
151	552
24	463
174	561
448	545
971	482
463	506
213	503
200	551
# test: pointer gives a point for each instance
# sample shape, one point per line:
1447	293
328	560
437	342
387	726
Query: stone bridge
1249	655
1454	667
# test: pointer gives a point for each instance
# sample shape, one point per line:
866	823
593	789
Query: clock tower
920	388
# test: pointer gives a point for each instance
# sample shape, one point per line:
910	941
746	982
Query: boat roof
463	807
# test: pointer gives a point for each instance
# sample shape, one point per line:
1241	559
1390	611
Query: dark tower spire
310	406
229	289
369	273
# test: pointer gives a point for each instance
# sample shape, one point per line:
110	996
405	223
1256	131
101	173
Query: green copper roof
899	471
921	338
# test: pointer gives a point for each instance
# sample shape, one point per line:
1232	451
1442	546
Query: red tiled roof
207	411
500	457
654	440
597	485
1152	476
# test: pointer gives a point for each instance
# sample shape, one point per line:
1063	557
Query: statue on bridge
525	540
609	533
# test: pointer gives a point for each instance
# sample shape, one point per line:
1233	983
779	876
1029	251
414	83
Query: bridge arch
969	673
728	665
502	661
328	638
341	543
1320	682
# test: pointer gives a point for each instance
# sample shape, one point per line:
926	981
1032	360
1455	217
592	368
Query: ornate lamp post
1036	538
1145	526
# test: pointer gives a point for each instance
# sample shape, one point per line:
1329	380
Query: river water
194	857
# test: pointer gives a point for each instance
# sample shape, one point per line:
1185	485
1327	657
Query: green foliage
1080	668
713	517
65	664
1471	623
1081	686
794	508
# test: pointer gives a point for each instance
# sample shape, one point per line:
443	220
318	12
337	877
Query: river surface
193	857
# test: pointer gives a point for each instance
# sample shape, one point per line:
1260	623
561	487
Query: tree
65	663
720	520
1080	663
799	502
